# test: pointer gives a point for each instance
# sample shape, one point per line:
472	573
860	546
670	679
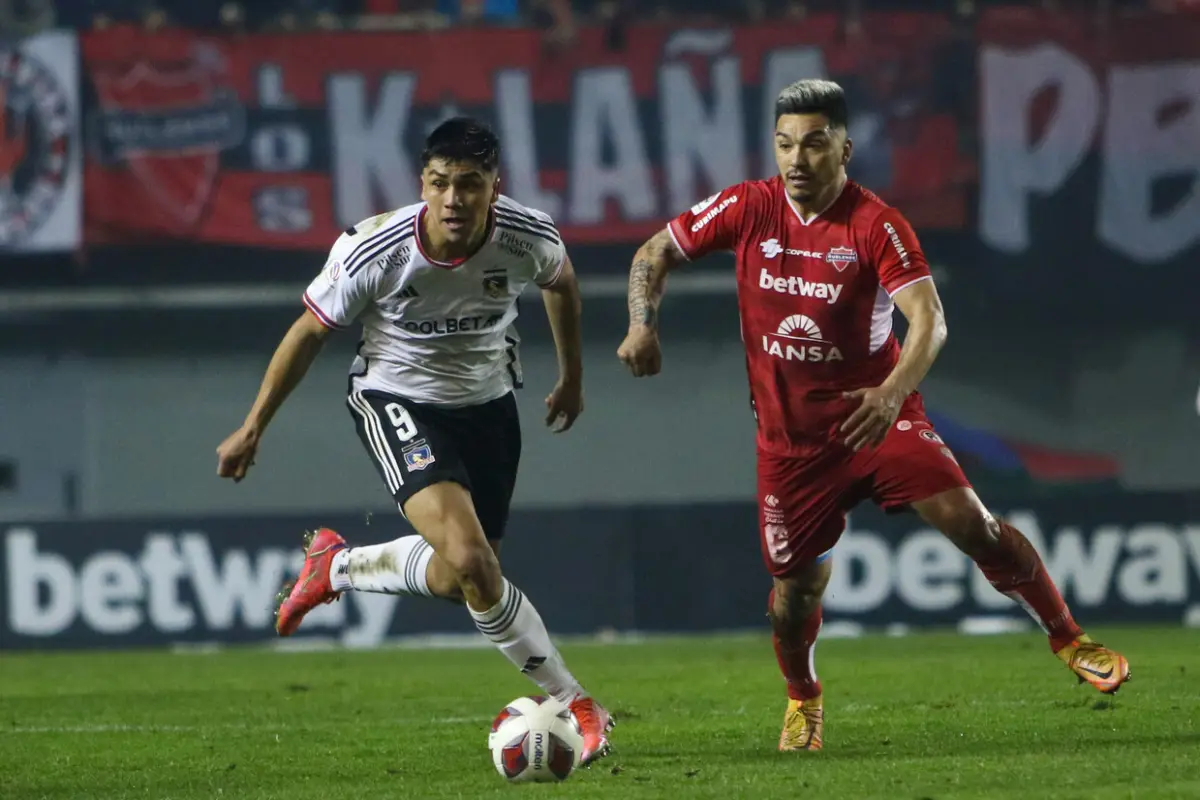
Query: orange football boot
1096	664
802	725
594	723
312	587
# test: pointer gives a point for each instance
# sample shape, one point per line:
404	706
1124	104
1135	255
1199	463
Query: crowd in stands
22	17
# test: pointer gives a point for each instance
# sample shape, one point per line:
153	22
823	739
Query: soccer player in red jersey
821	264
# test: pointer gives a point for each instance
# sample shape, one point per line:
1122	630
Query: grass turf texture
925	716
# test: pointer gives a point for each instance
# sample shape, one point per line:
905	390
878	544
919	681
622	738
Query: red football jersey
815	300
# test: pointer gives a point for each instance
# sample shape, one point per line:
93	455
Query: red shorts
804	501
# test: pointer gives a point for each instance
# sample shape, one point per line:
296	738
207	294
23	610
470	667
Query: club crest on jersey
418	458
495	285
841	256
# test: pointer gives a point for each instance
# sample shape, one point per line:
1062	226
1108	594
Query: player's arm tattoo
648	277
641	310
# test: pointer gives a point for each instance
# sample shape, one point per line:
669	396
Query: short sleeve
899	260
344	287
551	257
711	225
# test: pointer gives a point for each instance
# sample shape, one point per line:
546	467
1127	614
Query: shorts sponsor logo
772	513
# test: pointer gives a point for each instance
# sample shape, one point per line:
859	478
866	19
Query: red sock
1017	571
796	658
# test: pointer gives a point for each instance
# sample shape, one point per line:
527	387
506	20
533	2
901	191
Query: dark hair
814	96
463	139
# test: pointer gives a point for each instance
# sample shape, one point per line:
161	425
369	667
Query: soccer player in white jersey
435	287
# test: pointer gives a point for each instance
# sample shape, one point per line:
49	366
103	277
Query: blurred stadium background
172	174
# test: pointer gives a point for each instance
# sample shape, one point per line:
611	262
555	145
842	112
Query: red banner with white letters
1089	137
283	141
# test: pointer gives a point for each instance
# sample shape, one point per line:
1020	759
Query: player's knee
794	600
443	581
973	530
476	570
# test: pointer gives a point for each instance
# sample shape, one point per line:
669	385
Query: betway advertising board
121	583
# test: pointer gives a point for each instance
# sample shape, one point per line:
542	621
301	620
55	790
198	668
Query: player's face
459	195
810	153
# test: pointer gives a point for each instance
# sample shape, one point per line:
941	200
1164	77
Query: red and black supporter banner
1033	133
283	141
1089	138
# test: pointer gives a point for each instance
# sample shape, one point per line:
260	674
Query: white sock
515	627
391	568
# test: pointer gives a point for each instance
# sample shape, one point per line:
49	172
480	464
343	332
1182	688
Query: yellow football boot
1093	662
802	725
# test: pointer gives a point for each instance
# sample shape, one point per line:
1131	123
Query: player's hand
564	405
236	454
870	422
641	351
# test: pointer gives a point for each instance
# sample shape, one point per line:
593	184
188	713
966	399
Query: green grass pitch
923	716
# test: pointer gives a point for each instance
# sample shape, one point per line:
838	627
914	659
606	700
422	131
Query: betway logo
175	584
1139	565
795	285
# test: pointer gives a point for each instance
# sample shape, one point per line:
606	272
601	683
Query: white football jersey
436	332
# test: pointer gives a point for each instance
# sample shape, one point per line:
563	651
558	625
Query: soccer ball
535	739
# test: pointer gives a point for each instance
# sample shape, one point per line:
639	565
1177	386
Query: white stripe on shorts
379	444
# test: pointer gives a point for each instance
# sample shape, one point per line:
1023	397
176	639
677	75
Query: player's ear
847	151
496	189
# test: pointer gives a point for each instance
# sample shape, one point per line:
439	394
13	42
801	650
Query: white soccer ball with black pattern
535	739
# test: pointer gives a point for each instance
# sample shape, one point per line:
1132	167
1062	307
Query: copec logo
798	338
798	287
772	248
174	586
